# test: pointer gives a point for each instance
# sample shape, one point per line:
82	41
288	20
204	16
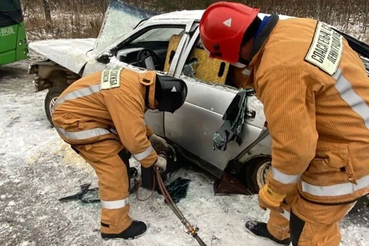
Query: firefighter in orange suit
102	117
315	93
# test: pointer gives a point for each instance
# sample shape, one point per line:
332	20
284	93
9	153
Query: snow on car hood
120	19
69	53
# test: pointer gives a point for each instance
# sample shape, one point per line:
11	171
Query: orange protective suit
315	93
101	115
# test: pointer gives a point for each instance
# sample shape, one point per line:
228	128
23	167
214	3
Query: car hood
73	54
69	53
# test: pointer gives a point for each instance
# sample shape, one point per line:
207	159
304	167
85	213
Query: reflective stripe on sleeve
81	135
335	190
114	204
78	93
144	154
284	178
347	93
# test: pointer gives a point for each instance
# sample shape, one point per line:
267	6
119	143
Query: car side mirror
104	58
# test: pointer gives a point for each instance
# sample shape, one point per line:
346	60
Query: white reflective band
81	135
114	204
78	93
284	178
144	154
336	190
355	101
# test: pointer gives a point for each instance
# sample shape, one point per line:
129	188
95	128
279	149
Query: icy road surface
37	168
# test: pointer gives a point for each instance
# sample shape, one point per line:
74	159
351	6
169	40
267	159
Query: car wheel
50	100
254	173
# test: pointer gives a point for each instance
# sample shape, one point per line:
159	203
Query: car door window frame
119	44
191	45
186	52
144	30
178	58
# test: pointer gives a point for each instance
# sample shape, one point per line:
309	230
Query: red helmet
222	27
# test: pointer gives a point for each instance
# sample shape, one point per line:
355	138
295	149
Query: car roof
192	15
181	15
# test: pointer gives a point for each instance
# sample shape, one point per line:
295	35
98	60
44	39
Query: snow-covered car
169	43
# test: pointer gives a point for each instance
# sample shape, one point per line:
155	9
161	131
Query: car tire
50	100
254	173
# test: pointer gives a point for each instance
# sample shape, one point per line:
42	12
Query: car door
155	118
192	126
124	54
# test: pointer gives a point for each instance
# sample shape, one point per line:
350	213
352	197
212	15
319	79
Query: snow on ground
37	168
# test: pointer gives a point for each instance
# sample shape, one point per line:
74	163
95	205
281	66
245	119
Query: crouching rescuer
315	93
102	117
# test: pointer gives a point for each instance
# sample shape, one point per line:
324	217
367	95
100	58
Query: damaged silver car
170	44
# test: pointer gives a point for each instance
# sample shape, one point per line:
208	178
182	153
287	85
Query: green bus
13	41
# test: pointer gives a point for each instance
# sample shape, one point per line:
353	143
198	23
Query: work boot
260	229
135	230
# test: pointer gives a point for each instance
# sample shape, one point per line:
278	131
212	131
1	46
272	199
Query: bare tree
47	11
365	22
82	18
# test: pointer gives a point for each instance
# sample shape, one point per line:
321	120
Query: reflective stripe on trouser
279	225
316	225
113	183
82	135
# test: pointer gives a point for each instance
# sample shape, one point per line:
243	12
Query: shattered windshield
10	12
158	35
120	18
